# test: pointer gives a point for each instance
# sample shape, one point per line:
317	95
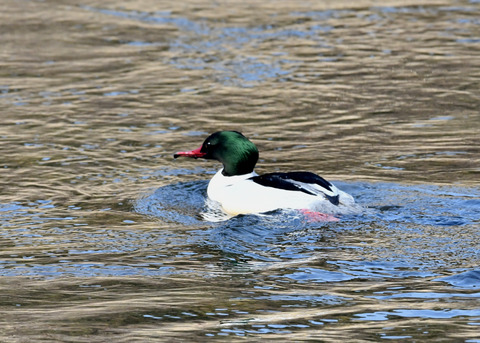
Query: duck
239	190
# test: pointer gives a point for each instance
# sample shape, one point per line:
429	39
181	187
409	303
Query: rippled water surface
101	237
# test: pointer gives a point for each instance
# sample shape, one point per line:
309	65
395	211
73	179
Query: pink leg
313	216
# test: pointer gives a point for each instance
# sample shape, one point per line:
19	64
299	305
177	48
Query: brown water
100	235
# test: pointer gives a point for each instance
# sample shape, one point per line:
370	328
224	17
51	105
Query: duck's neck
243	163
236	169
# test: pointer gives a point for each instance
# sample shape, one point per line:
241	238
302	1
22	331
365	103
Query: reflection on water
101	231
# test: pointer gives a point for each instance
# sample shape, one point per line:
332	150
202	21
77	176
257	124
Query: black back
284	181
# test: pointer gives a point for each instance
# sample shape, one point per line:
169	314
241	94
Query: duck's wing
306	182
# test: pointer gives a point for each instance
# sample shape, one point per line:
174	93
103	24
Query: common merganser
239	190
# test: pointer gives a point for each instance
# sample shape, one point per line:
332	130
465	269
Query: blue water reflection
465	279
414	232
406	231
439	314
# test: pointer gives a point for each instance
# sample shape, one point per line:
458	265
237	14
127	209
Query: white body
239	195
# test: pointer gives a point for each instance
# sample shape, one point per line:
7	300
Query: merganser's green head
237	154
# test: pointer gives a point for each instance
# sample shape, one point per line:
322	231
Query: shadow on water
405	231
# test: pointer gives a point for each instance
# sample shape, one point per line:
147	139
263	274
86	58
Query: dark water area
102	237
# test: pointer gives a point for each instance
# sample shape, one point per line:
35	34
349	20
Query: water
101	237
